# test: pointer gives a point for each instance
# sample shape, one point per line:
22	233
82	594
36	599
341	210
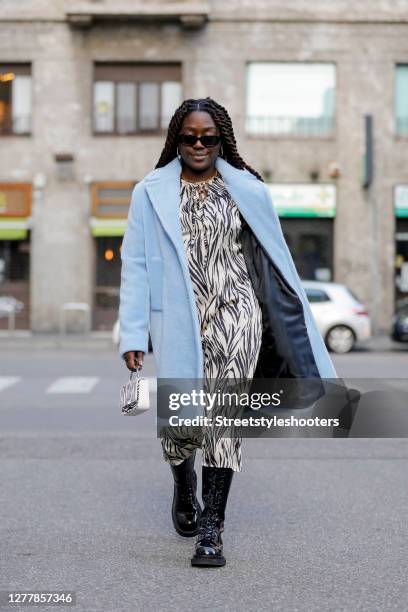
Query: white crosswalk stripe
73	384
70	384
8	381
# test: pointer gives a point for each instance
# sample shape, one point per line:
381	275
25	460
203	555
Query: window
135	98
149	106
15	99
295	99
401	99
127	109
111	199
104	94
316	295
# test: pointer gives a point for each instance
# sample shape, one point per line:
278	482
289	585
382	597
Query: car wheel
340	339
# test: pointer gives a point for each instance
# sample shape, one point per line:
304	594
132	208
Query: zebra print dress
229	313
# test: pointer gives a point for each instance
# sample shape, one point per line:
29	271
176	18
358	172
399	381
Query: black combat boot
216	486
186	510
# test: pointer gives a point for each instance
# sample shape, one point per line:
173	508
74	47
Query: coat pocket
156	283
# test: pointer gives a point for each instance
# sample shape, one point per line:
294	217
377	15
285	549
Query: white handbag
134	395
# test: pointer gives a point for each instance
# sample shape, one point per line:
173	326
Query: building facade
87	89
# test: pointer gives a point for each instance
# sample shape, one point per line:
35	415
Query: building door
310	242
306	213
15	220
401	260
108	266
14	282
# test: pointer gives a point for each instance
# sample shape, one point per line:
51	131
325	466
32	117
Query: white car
341	318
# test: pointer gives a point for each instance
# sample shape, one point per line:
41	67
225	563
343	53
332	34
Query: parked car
399	331
116	333
341	318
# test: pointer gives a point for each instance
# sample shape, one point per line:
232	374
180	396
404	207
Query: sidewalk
382	343
28	340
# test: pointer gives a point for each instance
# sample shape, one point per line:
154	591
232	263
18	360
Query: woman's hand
134	360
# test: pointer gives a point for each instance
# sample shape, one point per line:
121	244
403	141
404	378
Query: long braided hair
221	119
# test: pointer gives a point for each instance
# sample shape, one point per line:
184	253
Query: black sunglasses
207	141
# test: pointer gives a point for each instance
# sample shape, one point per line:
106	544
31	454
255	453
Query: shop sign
15	200
304	200
110	207
401	201
15	210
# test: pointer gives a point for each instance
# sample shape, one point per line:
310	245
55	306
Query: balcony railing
290	126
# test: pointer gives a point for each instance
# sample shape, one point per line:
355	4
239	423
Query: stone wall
214	60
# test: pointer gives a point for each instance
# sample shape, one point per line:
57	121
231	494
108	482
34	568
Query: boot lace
210	522
187	493
209	528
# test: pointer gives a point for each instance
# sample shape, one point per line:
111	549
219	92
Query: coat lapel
163	188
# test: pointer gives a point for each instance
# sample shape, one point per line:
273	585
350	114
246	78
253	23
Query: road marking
73	384
70	384
8	381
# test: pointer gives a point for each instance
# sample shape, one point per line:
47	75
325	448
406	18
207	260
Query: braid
223	122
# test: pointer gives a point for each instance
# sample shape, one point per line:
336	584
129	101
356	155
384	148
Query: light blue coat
156	292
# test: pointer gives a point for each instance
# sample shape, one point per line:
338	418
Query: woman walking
185	277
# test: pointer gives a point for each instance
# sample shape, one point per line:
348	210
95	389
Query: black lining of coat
286	351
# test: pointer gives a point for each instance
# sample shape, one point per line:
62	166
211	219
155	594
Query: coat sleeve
134	300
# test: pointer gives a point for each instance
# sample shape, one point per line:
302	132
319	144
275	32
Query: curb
382	343
97	340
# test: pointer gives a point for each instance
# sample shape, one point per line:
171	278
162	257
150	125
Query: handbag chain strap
137	374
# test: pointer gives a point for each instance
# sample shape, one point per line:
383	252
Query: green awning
107	227
14	228
300	212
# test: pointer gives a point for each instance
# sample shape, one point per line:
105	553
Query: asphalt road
312	524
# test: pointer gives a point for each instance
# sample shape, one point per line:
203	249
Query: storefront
110	205
401	242
307	214
15	224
